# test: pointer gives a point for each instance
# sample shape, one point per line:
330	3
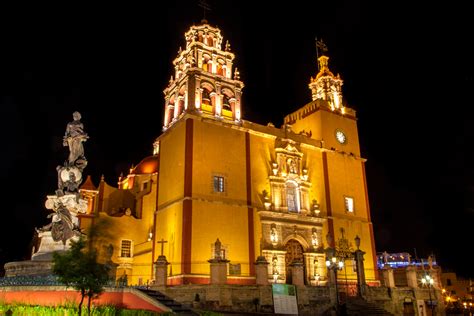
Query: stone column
411	277
359	258
261	271
161	271
388	278
297	275
218	271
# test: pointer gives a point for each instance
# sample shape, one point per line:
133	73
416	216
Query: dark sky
407	71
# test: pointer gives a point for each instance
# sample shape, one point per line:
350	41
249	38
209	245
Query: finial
320	45
180	50
102	178
171	79
227	46
236	74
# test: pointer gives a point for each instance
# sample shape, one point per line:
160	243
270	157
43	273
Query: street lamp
428	281
334	264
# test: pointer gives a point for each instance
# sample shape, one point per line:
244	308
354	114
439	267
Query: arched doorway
294	252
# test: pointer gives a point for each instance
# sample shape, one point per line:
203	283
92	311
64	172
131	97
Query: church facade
283	193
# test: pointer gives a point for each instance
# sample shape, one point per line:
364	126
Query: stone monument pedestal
161	271
261	271
388	278
218	271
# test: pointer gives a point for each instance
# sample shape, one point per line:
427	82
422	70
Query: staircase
359	306
176	307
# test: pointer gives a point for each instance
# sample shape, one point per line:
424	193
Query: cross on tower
320	45
162	242
205	7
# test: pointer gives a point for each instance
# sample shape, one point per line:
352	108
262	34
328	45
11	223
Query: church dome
147	166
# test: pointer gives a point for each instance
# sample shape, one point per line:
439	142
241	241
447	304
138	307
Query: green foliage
26	310
79	268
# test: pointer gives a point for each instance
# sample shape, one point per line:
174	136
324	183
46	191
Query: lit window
126	249
349	204
218	184
291	197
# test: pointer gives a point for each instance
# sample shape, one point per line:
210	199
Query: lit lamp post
428	281
334	264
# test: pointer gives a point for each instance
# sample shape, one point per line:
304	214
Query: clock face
341	137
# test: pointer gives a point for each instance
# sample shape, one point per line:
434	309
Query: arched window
206	98
206	63
292	200
226	103
210	40
220	67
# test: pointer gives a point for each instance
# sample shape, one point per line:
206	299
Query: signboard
284	299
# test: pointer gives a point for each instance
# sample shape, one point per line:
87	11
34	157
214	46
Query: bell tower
326	86
204	81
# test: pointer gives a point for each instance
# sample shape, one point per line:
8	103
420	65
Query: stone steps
175	306
361	307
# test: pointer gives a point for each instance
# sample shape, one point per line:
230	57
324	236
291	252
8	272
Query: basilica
283	193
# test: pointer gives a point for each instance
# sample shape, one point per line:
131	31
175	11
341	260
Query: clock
341	137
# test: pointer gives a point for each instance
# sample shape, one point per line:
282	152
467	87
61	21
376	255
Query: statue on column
66	203
70	174
73	138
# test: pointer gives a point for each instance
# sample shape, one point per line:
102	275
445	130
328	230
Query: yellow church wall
323	125
169	227
311	123
353	228
312	160
218	151
112	230
226	222
346	179
330	122
262	155
171	191
108	190
172	145
149	202
262	151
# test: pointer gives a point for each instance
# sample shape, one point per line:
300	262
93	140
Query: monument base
41	262
48	246
28	268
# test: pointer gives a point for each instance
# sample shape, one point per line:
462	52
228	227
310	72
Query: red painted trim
328	196
187	204
371	226
238	281
155	215
249	203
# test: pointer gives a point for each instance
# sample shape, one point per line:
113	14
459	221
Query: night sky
407	71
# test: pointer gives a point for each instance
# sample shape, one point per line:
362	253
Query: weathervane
320	45
205	7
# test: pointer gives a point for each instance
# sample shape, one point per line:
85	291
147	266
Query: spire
325	86
204	81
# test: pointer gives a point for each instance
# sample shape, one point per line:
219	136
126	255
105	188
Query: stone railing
29	281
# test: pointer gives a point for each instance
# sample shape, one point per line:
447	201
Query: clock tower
328	118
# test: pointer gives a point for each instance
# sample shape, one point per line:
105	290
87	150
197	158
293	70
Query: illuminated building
259	189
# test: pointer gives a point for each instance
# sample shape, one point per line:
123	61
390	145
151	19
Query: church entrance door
294	252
